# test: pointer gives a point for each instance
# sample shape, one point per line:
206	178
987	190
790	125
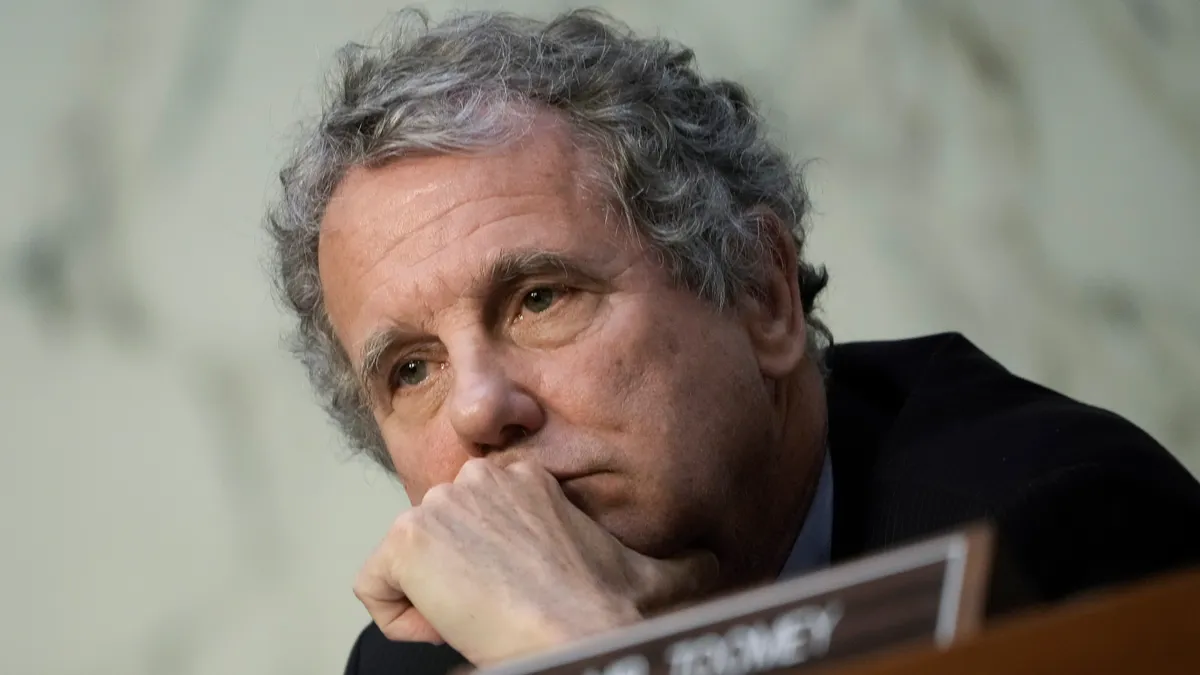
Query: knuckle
474	470
436	495
534	474
402	524
549	481
393	633
525	469
361	592
405	534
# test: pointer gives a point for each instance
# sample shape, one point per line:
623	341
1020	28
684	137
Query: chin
645	535
607	499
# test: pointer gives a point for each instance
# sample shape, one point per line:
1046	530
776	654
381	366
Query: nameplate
931	592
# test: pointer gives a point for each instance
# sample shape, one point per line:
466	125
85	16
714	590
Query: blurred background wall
1026	172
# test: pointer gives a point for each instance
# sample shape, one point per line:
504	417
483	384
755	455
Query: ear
774	318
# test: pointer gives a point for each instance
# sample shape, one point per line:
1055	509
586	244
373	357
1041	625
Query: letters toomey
791	639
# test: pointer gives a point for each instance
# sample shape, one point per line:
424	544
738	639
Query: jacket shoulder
1082	496
945	410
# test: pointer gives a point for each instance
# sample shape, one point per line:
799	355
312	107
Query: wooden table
1151	628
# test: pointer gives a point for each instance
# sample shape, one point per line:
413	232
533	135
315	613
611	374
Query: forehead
431	221
408	197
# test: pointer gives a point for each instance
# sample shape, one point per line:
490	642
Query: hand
500	564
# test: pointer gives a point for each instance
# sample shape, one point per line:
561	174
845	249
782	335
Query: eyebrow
372	354
503	271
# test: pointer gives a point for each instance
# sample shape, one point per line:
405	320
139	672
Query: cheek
636	388
602	386
422	462
692	405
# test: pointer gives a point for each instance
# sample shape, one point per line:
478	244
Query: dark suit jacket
930	433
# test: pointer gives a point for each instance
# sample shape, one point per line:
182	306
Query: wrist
618	611
598	614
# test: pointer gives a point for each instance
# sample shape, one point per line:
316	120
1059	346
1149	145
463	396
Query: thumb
408	626
671	581
389	606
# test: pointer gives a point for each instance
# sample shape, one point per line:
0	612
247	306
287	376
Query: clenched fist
500	564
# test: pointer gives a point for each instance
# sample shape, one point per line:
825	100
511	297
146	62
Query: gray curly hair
686	160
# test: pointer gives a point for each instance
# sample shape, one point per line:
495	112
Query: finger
407	625
477	470
388	605
680	578
530	471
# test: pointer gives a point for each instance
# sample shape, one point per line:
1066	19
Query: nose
488	409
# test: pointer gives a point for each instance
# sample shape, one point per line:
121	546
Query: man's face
506	313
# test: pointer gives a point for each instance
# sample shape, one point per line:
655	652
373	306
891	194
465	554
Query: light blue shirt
813	544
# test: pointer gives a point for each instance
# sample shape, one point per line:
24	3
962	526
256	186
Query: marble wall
1026	172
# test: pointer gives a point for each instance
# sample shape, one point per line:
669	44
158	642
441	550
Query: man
555	281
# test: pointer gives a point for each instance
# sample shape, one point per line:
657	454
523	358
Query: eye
539	300
409	374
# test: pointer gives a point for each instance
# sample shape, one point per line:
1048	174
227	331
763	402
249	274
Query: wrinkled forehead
399	224
374	207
